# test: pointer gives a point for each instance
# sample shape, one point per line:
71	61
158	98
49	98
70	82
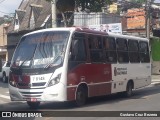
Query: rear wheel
128	92
33	105
81	96
4	78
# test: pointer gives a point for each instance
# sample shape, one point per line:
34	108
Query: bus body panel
40	93
122	73
96	76
47	94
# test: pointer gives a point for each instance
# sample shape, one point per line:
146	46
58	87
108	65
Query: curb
155	83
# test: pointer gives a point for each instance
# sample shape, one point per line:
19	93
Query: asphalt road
146	99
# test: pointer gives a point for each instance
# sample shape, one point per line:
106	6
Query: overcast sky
157	1
8	6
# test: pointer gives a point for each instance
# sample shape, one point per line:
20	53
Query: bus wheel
128	92
4	78
33	105
81	96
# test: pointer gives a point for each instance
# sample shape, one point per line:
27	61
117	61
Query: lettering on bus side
120	71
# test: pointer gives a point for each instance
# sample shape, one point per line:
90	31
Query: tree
132	4
138	1
64	6
92	5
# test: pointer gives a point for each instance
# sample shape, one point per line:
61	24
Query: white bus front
37	68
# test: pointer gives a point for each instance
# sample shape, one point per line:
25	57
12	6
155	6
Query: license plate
31	99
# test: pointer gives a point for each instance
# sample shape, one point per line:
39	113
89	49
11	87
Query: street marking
4	96
155	82
2	102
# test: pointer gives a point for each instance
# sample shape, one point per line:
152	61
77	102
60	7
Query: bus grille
31	85
39	84
32	94
23	84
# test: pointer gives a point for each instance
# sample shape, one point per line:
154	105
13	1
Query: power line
2	1
3	7
2	11
5	12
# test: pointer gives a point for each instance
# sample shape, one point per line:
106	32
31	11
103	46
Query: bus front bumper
54	93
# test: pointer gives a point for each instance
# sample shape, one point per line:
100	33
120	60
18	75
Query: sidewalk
155	80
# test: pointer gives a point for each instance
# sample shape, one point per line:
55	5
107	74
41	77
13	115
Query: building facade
3	41
31	15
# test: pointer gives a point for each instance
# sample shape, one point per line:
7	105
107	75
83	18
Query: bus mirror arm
70	53
0	65
74	51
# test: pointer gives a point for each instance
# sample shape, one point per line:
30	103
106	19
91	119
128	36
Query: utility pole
54	13
147	25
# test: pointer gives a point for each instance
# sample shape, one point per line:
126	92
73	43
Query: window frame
93	51
132	52
110	50
146	58
122	54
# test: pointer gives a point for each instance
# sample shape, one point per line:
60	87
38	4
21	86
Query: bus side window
133	51
96	48
144	51
110	49
122	50
78	52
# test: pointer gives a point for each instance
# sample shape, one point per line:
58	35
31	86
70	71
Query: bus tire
129	88
33	105
4	78
81	96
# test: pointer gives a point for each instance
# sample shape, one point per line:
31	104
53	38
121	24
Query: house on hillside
31	15
3	38
135	22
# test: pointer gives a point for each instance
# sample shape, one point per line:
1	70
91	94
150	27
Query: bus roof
87	30
127	36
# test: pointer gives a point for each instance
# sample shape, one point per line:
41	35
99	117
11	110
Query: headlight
11	80
13	83
54	80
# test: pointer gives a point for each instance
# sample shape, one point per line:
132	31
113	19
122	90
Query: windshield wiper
24	61
49	64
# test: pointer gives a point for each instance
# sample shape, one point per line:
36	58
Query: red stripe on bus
71	93
96	76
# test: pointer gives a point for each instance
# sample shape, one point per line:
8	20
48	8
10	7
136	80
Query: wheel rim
129	89
80	97
4	78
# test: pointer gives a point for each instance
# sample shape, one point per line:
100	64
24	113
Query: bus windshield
40	49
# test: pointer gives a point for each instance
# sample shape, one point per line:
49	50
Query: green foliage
155	43
6	19
64	6
138	1
92	5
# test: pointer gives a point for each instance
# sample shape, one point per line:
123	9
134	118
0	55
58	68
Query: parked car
5	71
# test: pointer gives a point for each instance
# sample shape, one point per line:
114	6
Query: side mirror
74	50
75	47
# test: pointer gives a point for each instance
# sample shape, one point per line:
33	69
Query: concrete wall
3	42
3	35
156	67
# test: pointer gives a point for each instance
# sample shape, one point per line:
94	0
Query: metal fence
85	19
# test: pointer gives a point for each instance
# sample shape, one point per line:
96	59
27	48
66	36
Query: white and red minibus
73	64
